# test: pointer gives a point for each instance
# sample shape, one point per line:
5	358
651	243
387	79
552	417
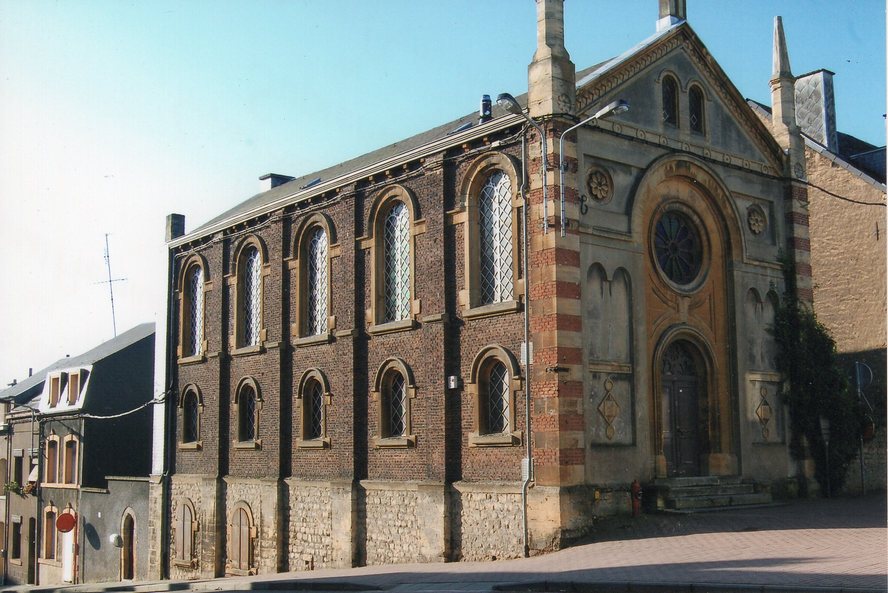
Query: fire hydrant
635	491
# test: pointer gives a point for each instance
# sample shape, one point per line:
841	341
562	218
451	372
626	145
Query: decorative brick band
800	244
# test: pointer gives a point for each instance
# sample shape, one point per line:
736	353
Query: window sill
189	564
248	350
506	439
49	562
193	446
58	485
321	443
240	572
196	359
257	444
324	338
404	442
392	327
492	310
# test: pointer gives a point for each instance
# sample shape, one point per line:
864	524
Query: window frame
374	241
180	537
309	377
64	461
673	112
197	352
256	441
238	340
378	395
299	264
696	89
482	363
52	461
50	514
197	443
469	213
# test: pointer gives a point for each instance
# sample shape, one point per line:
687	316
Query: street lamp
612	108
510	105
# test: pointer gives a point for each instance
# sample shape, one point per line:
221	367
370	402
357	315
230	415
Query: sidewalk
819	545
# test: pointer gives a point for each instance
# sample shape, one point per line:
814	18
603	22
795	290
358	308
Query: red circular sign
66	522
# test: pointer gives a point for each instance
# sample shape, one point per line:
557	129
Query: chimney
484	113
551	76
175	226
671	12
272	180
816	107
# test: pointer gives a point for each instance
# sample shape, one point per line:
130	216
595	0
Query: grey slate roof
26	390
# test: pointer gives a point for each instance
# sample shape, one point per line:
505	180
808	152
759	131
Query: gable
732	133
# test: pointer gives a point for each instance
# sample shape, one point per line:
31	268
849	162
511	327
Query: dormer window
75	383
56	387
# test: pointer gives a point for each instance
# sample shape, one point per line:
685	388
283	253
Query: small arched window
493	390
495	382
241	546
317	282
670	101
313	400
394	405
394	390
248	405
495	238
697	112
190	417
396	263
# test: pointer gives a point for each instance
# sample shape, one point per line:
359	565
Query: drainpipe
527	439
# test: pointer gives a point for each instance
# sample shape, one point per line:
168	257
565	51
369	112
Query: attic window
56	386
73	388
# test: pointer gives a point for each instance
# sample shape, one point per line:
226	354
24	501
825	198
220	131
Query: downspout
39	487
169	435
524	258
81	533
6	537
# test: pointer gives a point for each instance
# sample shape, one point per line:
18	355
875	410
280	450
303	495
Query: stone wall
403	521
875	466
486	521
262	498
320	524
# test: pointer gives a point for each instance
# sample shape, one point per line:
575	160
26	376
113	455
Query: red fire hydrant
635	491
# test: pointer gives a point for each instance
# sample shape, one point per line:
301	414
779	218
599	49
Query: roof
23	392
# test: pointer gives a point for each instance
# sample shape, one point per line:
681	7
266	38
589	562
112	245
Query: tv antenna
110	282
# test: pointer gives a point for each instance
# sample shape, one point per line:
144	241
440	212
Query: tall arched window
317	282
313	400
50	533
670	100
495	238
396	263
72	451
193	305
494	398
394	405
52	460
251	303
495	381
696	108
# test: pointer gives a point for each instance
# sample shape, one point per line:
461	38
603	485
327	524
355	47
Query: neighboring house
846	205
348	359
72	425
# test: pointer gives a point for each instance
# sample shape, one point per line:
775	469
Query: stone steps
707	493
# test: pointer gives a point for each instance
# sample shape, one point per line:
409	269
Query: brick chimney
272	180
551	76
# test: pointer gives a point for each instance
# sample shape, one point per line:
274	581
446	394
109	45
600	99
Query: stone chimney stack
671	12
551	76
783	116
816	107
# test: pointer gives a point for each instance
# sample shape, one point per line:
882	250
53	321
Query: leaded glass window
317	282
495	238
313	400
677	248
252	300
396	258
670	101
190	419
395	408
246	409
497	399
695	107
195	296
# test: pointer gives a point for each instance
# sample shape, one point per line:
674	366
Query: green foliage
817	387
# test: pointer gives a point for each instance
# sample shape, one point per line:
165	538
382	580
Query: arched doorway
682	388
127	551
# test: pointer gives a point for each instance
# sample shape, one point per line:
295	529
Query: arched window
670	101
313	396
71	450
495	238
190	405
317	282
52	460
241	546
185	528
396	263
127	552
394	388
250	270
494	395
193	311
248	404
50	533
697	112
494	383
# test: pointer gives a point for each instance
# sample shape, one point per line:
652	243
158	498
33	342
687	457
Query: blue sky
118	112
